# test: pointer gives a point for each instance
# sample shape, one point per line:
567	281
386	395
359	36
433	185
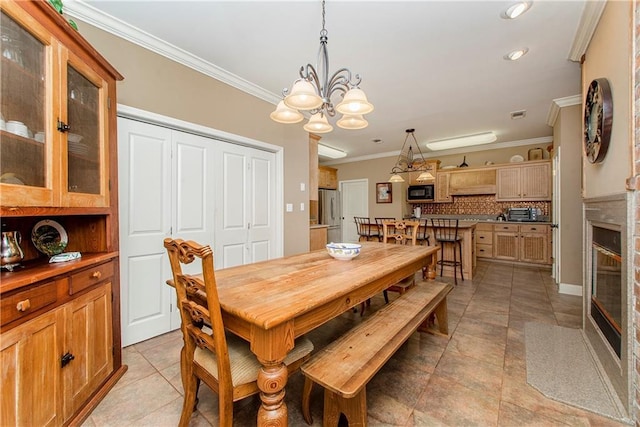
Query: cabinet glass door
83	138
22	106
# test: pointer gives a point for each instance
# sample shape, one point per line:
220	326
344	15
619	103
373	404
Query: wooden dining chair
221	360
403	232
366	229
379	220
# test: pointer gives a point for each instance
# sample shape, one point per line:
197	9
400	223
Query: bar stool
366	229
445	232
423	235
379	220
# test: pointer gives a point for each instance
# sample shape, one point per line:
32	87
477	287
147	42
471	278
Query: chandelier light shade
352	121
284	114
318	123
410	161
313	92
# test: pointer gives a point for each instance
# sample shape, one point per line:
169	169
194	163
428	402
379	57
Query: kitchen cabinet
59	162
524	243
442	188
472	182
327	177
317	237
484	240
527	182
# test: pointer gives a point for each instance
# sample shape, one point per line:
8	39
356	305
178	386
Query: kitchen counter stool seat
445	232
366	229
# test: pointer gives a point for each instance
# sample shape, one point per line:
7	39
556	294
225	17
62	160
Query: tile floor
476	377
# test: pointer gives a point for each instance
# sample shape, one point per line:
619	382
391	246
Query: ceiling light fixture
313	92
333	153
514	55
462	141
408	161
516	9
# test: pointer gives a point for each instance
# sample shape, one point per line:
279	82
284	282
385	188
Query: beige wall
567	135
157	84
377	170
608	56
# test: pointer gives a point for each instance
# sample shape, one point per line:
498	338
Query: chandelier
408	161
313	91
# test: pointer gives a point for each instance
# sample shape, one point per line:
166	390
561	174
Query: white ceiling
436	66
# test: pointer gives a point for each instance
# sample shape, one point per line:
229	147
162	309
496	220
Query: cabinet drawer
534	228
90	277
484	237
27	301
506	227
484	251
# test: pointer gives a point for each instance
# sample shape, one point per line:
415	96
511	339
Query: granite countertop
489	219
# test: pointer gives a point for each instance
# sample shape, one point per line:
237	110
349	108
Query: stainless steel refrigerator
330	213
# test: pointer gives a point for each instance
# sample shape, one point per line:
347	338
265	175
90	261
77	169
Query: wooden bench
345	366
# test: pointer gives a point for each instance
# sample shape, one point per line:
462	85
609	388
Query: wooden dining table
271	303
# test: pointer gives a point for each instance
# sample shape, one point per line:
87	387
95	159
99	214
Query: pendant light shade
303	96
352	121
284	114
396	178
318	124
425	176
354	102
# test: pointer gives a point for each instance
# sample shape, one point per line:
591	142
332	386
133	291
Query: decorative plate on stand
49	237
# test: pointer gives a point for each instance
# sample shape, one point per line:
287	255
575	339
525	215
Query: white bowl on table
344	251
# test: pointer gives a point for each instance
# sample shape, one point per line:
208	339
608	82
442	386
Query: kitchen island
466	229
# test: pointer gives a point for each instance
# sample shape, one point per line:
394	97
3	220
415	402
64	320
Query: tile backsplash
478	205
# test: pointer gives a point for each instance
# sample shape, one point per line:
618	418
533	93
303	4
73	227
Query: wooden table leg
272	379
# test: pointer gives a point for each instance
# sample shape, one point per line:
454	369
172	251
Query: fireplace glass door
606	287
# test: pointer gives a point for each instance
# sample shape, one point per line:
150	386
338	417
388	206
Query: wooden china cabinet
60	349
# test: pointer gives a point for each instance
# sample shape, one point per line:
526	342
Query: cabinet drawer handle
96	275
23	305
533	228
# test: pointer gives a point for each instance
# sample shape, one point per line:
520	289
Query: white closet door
144	163
355	202
165	191
245	212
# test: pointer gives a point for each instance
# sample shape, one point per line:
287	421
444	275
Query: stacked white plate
17	128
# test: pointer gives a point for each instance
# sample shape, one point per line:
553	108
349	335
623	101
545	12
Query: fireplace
607	314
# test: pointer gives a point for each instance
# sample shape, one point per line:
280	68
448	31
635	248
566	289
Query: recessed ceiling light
516	9
514	55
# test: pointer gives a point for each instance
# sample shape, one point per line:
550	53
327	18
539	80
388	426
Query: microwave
420	192
522	214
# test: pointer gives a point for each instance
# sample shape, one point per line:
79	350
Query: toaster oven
522	214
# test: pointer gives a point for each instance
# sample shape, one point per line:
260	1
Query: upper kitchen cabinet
57	104
524	182
327	177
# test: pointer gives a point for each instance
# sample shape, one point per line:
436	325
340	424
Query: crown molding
440	153
559	103
587	26
78	9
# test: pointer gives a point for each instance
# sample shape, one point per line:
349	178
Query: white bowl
344	251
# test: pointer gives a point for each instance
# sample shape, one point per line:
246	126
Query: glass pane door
22	106
83	138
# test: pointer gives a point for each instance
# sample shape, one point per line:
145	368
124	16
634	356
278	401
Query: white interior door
355	202
245	217
144	163
165	190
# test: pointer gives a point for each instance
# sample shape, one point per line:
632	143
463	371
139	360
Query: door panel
145	220
355	202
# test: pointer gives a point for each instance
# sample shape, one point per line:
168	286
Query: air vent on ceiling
518	114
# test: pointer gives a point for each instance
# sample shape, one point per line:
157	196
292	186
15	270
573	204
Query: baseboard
568	289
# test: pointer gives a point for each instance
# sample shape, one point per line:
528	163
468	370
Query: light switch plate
302	186
302	206
289	207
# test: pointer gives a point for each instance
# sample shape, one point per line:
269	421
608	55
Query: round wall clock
598	116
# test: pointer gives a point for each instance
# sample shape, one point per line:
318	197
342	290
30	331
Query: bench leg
354	409
306	400
440	314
